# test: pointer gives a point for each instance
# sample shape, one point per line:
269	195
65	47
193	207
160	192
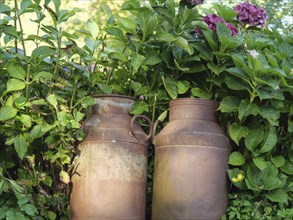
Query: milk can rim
193	101
114	96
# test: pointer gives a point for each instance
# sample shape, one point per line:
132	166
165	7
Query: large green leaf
183	43
246	108
7	112
268	179
236	159
26	120
93	28
254	138
29	209
237	132
271	114
139	108
183	86
51	98
14	85
128	24
278	161
236	83
229	104
16	70
20	146
43	51
270	140
198	92
278	195
260	163
171	86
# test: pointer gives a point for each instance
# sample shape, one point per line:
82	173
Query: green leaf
170	86
183	86
271	114
209	36
165	37
93	27
278	161
7	112
197	92
43	51
183	44
20	146
128	24
105	88
51	215
15	70
287	168
137	61
44	75
246	108
14	85
260	163
253	139
236	83
24	199
47	180
4	8
139	108
237	132
11	215
278	195
29	209
229	104
52	100
163	115
26	120
236	159
270	141
268	179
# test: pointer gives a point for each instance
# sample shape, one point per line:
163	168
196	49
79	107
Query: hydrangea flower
195	2
213	19
250	14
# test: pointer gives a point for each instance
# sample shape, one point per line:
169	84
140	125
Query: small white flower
253	53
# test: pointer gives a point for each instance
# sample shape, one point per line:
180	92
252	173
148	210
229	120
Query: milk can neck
191	108
112	104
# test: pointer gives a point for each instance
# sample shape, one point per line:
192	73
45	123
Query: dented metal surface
191	160
109	178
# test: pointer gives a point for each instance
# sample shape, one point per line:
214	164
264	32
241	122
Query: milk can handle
132	124
154	130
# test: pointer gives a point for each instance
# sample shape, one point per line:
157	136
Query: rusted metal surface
109	178
191	162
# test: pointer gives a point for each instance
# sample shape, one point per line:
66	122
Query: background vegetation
53	57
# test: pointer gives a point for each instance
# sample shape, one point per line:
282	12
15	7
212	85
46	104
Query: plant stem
72	97
58	52
27	83
20	26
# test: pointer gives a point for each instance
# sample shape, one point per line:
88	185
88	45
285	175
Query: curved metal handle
154	130
149	136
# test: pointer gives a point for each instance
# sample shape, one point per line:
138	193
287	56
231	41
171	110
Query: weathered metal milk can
109	176
191	160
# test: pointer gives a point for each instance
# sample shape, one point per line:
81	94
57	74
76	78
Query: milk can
109	175
191	162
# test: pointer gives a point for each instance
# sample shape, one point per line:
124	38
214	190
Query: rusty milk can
109	175
191	160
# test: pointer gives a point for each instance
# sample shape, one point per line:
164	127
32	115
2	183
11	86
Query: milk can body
191	162
109	175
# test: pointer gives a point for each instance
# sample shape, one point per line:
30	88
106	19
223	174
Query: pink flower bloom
250	14
195	2
213	19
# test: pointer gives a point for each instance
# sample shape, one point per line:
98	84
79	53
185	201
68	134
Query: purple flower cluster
195	2
250	14
213	19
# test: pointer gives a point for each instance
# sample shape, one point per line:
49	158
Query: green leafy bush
161	51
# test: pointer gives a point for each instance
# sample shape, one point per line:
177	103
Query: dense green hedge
154	55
